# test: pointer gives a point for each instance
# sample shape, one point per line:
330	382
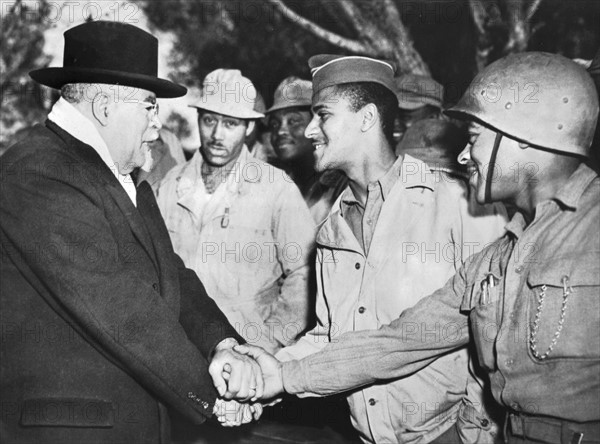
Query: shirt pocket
482	302
564	304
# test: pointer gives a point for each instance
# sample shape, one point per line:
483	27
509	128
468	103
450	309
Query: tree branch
518	29
479	15
318	31
532	9
391	11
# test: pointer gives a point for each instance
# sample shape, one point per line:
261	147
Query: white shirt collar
76	124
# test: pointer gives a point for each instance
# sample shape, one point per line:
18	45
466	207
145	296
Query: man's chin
320	166
215	161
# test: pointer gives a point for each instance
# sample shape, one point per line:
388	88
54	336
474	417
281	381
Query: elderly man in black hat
103	327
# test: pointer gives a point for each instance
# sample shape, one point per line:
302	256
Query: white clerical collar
76	124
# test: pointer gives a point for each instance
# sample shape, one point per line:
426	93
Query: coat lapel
134	219
152	218
106	178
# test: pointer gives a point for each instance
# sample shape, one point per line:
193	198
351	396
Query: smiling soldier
288	118
396	233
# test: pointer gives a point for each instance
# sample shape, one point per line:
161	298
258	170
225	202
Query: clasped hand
245	373
232	413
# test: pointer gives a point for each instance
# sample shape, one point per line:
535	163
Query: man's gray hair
86	92
77	92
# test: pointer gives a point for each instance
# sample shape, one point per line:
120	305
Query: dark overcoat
102	325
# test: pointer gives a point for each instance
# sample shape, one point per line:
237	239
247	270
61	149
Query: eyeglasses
151	107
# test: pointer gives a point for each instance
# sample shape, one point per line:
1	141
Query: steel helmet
543	99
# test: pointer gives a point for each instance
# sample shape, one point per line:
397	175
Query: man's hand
235	375
270	366
233	414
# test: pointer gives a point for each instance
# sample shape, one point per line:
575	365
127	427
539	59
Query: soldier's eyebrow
317	108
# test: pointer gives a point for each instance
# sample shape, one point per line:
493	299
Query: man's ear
370	116
101	108
250	127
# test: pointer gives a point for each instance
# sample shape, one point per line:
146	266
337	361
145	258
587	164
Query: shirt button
508	362
369	221
484	422
519	269
357	266
514	406
372	401
361	310
155	286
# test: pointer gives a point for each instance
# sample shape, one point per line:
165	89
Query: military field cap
227	92
415	91
292	92
109	52
329	70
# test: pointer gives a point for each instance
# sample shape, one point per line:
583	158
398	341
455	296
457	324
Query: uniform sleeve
433	327
294	233
100	287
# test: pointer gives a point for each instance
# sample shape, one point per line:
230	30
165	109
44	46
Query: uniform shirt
249	242
324	192
362	220
420	238
557	254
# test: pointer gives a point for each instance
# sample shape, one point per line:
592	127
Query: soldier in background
288	118
238	222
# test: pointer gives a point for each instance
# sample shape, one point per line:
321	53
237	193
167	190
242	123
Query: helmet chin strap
490	173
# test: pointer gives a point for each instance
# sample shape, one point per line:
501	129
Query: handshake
246	377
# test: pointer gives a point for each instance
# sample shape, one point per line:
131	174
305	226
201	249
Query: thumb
218	380
220	385
253	352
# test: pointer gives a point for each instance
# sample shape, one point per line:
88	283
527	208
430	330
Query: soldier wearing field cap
529	302
419	97
238	222
421	128
376	253
288	118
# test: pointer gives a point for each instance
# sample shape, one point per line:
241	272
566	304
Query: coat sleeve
99	286
195	305
201	318
395	350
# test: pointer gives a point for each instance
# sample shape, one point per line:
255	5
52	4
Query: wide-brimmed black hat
109	52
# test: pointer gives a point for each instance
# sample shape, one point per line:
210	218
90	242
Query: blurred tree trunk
377	27
21	50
